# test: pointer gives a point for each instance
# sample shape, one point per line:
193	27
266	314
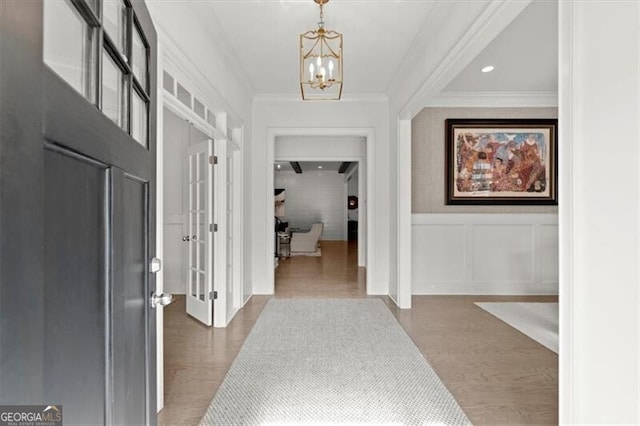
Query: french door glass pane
139	118
69	46
139	58
113	91
114	21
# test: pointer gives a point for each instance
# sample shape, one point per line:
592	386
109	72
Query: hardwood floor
334	274
197	357
497	374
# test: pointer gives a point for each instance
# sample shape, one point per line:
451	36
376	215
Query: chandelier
321	62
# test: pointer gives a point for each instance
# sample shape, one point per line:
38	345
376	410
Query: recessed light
488	68
319	167
278	166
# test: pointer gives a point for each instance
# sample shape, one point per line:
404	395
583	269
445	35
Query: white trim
568	382
638	232
159	230
332	158
364	214
484	218
220	237
493	99
403	255
181	110
237	135
289	97
345	223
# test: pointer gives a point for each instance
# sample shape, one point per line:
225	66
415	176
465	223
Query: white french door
200	232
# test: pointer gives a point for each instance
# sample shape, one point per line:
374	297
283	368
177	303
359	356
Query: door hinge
213	295
213	227
213	159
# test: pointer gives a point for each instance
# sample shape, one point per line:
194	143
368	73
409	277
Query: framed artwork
501	161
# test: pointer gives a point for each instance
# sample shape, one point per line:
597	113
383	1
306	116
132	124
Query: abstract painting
501	161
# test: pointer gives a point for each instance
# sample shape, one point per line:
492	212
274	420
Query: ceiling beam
344	166
296	166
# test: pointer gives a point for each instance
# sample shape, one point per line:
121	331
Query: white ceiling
264	36
310	166
380	37
524	54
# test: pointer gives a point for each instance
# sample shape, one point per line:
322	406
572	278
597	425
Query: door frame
362	210
365	214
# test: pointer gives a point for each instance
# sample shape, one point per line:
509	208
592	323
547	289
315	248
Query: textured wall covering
428	158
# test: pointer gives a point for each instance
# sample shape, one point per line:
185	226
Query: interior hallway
497	374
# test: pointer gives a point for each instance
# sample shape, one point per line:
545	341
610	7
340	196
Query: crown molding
290	97
493	99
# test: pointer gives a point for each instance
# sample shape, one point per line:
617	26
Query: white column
599	212
403	229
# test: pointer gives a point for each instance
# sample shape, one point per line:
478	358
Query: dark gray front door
77	208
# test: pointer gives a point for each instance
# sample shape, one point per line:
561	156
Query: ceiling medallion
321	62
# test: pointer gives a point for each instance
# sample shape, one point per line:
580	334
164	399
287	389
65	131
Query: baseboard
493	289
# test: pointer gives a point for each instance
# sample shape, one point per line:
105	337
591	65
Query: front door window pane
139	118
139	59
113	91
114	22
69	46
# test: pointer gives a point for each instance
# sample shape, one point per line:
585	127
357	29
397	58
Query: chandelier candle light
321	62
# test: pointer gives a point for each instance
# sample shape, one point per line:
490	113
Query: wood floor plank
498	375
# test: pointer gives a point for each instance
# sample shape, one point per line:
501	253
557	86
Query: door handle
161	299
186	238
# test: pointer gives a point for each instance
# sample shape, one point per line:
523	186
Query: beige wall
428	158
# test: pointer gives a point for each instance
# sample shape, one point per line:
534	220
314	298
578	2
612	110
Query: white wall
315	196
271	115
321	148
600	212
485	254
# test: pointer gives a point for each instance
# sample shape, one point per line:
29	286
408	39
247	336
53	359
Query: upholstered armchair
306	242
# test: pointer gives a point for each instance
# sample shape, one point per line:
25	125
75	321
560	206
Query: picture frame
501	161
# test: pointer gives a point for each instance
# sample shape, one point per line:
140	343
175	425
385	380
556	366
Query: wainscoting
485	254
